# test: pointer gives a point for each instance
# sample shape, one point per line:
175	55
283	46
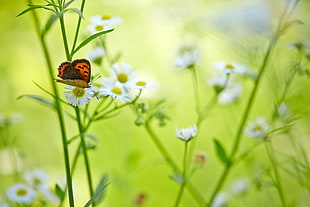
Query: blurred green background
149	38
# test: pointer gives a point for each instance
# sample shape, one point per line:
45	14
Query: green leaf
68	3
90	38
32	7
50	22
59	192
39	99
75	10
221	153
99	192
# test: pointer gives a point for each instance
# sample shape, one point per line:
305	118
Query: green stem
273	161
84	149
193	191
77	28
64	37
196	92
57	106
184	178
246	113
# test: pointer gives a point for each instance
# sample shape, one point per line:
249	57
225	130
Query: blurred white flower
36	178
230	94
106	19
230	68
21	193
258	128
96	54
186	133
122	73
240	186
96	28
10	118
187	58
141	84
50	195
4	205
218	83
220	200
78	96
284	111
114	90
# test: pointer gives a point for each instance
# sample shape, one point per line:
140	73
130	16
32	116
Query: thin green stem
184	177
274	163
196	92
84	148
57	106
193	191
64	37
77	28
246	113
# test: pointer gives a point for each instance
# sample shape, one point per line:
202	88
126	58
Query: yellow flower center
37	181
99	28
78	92
117	91
258	128
141	83
21	192
229	66
122	77
105	16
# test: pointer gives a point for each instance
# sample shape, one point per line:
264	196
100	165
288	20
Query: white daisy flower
188	57
78	96
96	28
220	200
230	94
218	83
257	129
21	193
141	84
36	178
186	133
240	186
115	90
229	68
96	54
4	205
122	73
106	19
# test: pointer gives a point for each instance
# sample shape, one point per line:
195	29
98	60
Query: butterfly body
76	73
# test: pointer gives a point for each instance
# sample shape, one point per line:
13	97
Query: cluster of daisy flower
33	189
120	86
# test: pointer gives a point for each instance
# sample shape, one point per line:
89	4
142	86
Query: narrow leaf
59	192
221	153
99	193
34	7
50	22
75	10
90	38
39	99
68	3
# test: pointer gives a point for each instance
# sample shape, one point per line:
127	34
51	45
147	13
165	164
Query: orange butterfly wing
76	73
82	68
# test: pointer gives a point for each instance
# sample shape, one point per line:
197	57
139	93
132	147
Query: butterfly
75	73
